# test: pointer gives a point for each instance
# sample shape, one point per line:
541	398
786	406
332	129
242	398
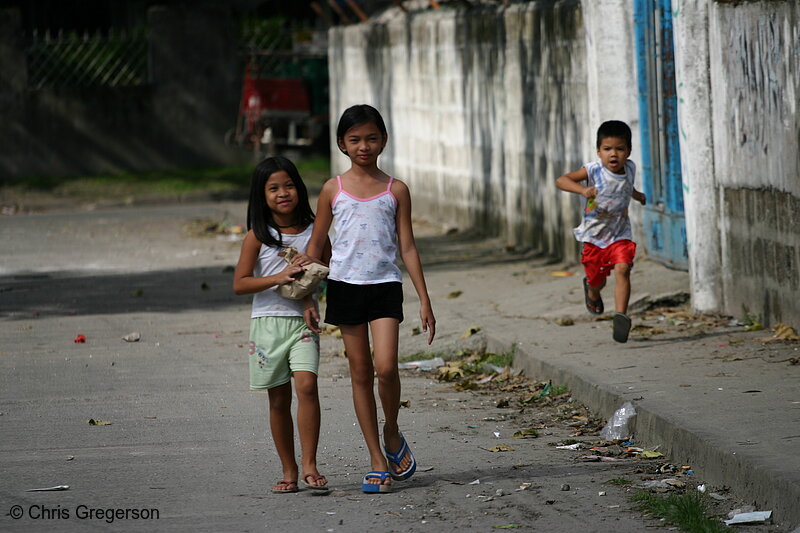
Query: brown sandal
291	486
315	477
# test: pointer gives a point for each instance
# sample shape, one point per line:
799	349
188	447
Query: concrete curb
765	488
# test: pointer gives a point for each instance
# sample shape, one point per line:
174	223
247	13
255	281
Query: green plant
752	321
686	511
621	481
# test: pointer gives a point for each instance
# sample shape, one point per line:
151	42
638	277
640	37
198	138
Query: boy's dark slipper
593	306
622	326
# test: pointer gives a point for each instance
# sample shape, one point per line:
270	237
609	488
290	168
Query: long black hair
357	115
259	215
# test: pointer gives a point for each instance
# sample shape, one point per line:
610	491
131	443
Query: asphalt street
188	447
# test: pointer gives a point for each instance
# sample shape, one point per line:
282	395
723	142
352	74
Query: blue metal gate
664	223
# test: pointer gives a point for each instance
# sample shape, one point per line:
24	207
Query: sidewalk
712	395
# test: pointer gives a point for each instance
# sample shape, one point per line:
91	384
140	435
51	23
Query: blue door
664	223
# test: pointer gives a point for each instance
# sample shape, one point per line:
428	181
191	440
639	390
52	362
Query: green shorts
280	345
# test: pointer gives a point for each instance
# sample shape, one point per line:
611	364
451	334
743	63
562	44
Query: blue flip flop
396	458
372	487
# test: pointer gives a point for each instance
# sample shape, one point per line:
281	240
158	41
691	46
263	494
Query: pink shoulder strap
389	188
335	196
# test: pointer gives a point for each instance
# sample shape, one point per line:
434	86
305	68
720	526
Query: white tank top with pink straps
365	238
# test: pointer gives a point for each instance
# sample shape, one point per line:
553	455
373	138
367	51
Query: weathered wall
742	170
485	108
178	120
756	80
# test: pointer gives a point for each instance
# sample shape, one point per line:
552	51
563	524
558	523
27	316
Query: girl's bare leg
281	426
308	420
622	288
385	332
362	374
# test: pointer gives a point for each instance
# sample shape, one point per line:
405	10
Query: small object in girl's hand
590	205
80	338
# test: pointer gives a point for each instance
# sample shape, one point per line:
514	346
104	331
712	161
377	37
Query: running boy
605	230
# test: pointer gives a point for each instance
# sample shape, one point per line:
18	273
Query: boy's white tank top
269	302
364	246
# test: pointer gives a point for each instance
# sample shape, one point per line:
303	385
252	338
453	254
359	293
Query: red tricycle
274	112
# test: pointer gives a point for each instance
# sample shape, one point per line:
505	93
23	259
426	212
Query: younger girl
281	346
371	216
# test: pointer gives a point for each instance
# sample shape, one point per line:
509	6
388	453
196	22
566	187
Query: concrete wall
178	120
738	85
485	108
487	105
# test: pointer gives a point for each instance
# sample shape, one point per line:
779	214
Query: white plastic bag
617	426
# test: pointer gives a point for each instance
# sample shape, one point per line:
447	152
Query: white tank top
364	247
269	302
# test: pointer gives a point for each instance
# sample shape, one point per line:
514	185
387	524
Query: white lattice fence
113	60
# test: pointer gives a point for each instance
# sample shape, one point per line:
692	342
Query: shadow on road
472	250
77	293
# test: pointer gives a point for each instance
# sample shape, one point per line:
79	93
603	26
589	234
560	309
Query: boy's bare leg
362	374
594	292
305	384
385	333
622	288
281	426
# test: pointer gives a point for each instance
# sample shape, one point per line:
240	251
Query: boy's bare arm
571	182
639	196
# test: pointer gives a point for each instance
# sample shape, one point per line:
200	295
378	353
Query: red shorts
599	262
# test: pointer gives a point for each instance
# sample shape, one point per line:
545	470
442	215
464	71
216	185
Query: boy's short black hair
614	128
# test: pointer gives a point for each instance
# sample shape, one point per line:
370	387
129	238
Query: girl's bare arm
243	280
410	256
319	245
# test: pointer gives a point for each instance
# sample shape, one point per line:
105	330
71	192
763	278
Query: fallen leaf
406	404
415	331
465	385
525	433
562	274
455	294
650	454
500	448
472	330
783	332
93	422
565	321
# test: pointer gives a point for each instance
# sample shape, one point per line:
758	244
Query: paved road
189	443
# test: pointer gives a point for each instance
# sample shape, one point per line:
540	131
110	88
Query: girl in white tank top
279	215
371	215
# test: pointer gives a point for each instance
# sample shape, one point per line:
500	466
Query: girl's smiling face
363	143
281	196
614	153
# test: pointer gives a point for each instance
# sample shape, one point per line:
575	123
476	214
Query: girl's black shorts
349	304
